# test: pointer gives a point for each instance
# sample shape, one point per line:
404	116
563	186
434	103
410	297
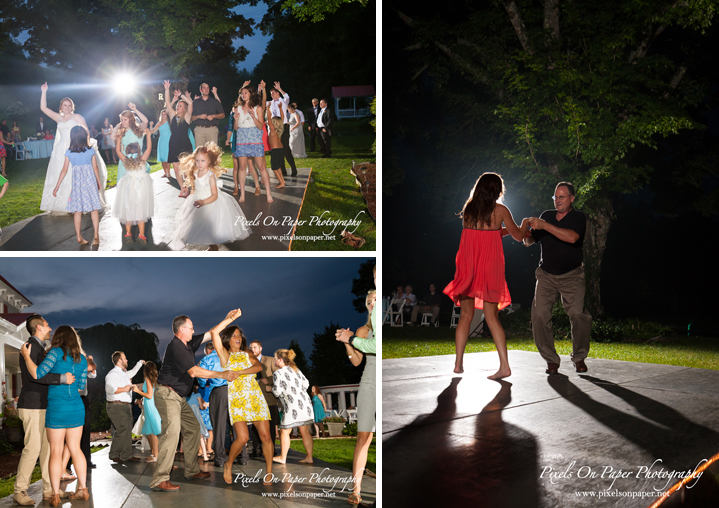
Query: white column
353	402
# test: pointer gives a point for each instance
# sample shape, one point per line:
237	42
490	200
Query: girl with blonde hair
290	387
131	129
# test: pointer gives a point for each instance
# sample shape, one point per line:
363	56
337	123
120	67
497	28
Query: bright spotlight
124	84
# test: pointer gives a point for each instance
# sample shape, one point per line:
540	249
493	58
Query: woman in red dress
479	278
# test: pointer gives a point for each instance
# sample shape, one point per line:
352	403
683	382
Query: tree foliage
363	285
300	357
330	365
315	10
557	91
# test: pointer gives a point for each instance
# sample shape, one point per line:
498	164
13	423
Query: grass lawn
699	352
338	451
333	191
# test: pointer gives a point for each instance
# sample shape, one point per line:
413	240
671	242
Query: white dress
290	387
297	139
135	198
50	203
222	221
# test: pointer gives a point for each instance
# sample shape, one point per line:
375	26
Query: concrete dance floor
614	436
128	485
46	232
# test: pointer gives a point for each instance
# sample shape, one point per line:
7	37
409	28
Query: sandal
142	239
352	240
80	494
151	458
128	238
354	499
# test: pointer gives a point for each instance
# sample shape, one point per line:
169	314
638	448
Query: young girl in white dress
207	216
135	199
85	189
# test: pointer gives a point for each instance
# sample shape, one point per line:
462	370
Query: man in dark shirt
430	303
32	405
560	273
206	113
174	384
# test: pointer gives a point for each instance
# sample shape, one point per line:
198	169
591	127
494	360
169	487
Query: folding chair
455	316
396	317
427	320
20	152
352	415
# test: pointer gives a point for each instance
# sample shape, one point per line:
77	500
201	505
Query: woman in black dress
179	140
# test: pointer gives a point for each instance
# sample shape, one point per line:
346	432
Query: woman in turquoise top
318	406
130	131
153	423
65	413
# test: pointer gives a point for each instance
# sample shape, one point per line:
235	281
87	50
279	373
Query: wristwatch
351	340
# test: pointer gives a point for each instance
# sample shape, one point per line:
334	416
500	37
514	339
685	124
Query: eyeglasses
191	328
559	198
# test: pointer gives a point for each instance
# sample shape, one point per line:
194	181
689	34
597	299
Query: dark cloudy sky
281	299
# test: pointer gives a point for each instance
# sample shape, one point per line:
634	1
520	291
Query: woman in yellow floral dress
246	402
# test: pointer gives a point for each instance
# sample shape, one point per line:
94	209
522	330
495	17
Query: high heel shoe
80	494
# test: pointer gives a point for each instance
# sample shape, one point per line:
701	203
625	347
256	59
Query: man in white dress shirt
275	104
118	392
324	129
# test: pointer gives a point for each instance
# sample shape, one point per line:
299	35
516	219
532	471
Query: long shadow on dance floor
610	432
128	485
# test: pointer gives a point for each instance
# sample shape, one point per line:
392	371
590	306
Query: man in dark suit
324	129
264	378
32	405
312	120
41	125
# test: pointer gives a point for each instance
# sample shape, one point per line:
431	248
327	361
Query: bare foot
278	460
242	197
235	192
269	199
306	461
501	374
81	241
268	482
279	186
257	191
227	473
458	368
96	241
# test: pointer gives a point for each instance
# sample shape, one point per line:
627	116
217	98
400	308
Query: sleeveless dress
107	138
84	196
135	198
163	144
128	138
318	408
367	395
248	141
153	422
244	397
222	221
50	203
65	409
297	139
480	269
290	387
179	139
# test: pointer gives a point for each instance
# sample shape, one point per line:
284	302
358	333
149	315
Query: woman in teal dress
163	144
318	405
65	415
153	423
130	131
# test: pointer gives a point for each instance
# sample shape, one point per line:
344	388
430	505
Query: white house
352	101
12	336
340	397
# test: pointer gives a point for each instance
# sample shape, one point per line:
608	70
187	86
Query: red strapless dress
265	138
480	269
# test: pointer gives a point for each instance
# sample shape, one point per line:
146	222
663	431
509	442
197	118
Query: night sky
281	299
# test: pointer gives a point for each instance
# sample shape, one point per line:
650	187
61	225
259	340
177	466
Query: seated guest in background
398	293
410	299
16	133
48	135
430	303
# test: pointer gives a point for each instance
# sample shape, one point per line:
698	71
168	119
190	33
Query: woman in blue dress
318	406
129	130
65	415
153	423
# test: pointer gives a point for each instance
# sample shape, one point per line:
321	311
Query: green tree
330	365
315	10
363	285
559	91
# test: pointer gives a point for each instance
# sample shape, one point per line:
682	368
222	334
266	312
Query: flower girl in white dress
208	216
135	199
